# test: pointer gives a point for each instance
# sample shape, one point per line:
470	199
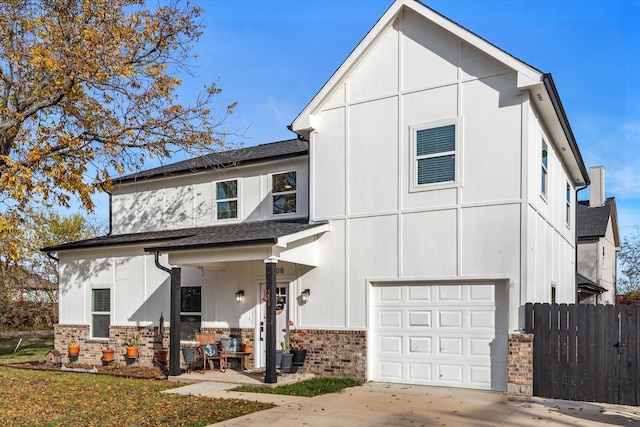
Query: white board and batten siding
439	334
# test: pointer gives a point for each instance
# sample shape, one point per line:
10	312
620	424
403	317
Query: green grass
310	388
45	398
31	348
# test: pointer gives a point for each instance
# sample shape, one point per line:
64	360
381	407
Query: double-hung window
190	312
544	159
227	199
435	155
568	205
100	312
284	193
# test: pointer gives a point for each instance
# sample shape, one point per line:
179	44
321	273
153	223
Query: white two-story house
427	195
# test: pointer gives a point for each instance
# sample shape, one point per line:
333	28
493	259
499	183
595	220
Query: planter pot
161	355
107	355
278	358
298	357
74	349
285	364
132	352
189	354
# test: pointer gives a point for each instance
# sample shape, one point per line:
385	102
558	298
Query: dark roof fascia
174	248
139	176
564	122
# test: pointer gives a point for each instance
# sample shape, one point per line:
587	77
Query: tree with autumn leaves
87	90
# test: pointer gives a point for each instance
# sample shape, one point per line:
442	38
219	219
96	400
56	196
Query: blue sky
273	56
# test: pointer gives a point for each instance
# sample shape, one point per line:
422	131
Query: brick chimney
596	190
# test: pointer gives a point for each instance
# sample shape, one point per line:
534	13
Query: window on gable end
227	199
435	155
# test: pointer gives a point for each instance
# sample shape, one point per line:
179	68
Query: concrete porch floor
236	378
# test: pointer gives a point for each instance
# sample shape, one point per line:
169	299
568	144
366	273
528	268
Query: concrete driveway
379	404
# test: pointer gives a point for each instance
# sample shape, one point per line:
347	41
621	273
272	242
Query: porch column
270	376
174	331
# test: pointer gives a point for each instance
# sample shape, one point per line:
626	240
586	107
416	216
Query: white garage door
443	335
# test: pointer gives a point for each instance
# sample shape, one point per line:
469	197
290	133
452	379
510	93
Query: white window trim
94	288
544	170
216	200
296	192
413	178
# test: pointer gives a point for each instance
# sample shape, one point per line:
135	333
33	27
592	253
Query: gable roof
592	221
245	233
258	153
543	90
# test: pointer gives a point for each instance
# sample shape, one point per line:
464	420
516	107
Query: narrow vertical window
100	312
190	312
435	155
568	213
227	199
553	294
545	163
284	193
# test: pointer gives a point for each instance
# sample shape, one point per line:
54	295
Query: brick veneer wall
91	349
336	353
520	365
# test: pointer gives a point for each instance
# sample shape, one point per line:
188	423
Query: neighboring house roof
188	238
592	221
588	286
544	94
258	153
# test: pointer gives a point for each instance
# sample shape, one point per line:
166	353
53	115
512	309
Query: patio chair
210	350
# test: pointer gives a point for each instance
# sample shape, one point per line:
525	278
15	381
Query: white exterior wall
550	257
470	230
188	201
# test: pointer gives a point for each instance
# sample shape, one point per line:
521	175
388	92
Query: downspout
174	317
575	276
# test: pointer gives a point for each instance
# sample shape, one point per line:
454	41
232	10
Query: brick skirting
336	353
520	365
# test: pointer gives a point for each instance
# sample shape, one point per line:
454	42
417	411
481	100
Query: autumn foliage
88	90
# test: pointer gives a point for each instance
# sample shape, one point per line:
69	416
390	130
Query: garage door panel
421	318
450	319
391	344
420	345
390	319
438	335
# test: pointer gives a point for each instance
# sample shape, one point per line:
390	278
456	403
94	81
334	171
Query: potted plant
107	355
131	342
74	348
285	361
296	337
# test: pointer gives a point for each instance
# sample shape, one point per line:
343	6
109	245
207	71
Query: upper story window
100	312
227	199
568	207
284	193
435	155
544	163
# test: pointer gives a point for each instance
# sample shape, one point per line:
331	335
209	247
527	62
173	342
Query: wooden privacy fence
585	352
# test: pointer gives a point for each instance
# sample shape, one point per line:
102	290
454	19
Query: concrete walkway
380	404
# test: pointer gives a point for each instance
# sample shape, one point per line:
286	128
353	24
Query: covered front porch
227	250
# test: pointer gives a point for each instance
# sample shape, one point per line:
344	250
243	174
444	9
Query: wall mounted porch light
240	296
306	294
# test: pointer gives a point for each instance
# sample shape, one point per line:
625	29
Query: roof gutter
564	122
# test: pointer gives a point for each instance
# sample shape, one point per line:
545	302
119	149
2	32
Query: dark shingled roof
588	286
592	220
188	238
259	153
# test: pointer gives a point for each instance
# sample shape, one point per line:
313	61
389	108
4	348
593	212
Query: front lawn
44	398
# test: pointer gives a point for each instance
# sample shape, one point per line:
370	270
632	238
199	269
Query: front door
282	314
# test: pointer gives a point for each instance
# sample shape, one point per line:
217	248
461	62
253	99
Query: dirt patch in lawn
116	370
